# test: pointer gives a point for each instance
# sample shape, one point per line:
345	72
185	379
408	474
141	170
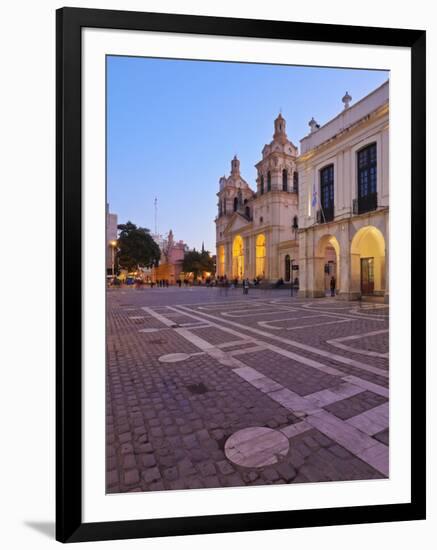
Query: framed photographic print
241	247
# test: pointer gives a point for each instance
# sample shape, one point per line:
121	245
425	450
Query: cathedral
318	215
256	232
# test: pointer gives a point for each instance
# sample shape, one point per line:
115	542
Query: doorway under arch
238	257
327	265
287	268
368	261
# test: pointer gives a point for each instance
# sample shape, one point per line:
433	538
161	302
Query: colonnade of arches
366	269
239	266
358	267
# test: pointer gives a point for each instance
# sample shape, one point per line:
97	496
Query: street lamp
291	277
113	245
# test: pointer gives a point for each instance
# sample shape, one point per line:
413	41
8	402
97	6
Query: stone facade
256	232
317	215
347	160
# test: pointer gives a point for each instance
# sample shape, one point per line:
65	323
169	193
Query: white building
344	201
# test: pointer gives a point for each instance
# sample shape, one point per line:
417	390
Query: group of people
224	284
162	283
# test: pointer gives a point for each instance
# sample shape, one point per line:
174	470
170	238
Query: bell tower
235	167
277	168
280	134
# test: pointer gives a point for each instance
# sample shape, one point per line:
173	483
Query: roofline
342	112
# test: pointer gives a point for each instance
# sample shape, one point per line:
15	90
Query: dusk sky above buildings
173	127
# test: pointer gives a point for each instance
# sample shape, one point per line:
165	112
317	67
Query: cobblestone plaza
207	387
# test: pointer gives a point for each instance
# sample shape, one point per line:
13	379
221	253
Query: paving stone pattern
167	423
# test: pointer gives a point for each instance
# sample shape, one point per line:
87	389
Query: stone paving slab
290	373
358	404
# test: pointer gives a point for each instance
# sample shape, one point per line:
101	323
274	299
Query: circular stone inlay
173	357
256	447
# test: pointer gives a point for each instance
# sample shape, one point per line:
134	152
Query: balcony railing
326	214
366	203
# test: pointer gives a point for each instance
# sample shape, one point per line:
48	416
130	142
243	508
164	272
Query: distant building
172	257
111	238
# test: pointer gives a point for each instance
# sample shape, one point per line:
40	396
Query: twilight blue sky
173	127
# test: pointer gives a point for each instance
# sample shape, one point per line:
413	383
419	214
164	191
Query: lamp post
113	245
291	277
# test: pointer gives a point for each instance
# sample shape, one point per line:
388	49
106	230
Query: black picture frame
69	24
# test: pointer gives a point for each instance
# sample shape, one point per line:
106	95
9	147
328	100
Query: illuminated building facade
256	232
317	215
344	201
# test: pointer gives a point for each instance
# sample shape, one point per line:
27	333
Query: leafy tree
197	262
136	248
207	261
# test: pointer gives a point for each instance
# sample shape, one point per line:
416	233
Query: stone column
228	259
273	255
318	277
314	269
387	260
251	272
303	269
349	283
246	248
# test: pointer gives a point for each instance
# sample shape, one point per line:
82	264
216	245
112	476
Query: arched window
284	180
295	182
261	187
269	181
287	270
295	222
235	204
224	207
247	212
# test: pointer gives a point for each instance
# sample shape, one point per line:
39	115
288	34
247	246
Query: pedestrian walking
246	286
226	285
332	285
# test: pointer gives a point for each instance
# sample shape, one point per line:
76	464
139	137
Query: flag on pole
314	201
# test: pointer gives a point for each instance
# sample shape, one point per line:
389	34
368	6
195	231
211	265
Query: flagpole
314	203
323	212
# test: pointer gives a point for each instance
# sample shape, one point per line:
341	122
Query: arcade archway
368	261
238	257
327	264
260	256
